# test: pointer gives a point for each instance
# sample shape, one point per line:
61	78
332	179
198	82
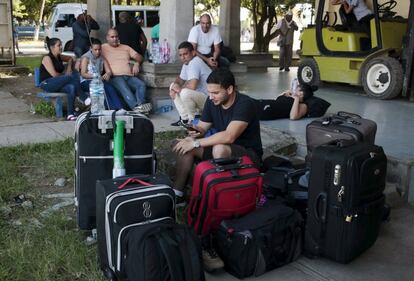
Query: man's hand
107	76
135	69
287	93
184	146
212	62
175	89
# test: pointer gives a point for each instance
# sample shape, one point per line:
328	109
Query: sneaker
180	202
287	69
211	260
144	108
176	123
87	102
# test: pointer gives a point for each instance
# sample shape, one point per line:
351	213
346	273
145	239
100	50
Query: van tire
308	72
382	78
68	46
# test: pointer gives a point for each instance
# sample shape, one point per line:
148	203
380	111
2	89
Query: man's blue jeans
63	83
131	88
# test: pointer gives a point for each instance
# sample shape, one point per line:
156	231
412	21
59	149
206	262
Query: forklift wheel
308	72
382	78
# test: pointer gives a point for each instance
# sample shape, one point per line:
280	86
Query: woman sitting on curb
54	77
293	105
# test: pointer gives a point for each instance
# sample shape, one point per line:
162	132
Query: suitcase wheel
109	274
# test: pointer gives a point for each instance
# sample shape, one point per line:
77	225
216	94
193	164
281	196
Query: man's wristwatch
196	144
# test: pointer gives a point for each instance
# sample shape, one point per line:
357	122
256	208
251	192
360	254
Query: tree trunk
36	35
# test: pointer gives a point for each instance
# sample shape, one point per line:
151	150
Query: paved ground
389	259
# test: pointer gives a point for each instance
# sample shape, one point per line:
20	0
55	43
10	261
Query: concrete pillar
230	24
100	10
176	20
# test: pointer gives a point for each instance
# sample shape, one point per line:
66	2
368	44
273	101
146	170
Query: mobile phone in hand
189	127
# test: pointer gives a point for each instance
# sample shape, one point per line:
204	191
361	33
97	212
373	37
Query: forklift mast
408	56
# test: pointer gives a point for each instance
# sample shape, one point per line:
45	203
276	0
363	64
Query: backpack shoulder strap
190	253
168	249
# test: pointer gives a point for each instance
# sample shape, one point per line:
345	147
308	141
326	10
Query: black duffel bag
263	240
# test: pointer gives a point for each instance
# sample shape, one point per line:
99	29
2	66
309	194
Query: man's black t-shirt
243	109
129	34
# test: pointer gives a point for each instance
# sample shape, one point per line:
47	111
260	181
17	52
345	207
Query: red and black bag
223	189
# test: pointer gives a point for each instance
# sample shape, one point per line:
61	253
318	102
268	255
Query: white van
63	15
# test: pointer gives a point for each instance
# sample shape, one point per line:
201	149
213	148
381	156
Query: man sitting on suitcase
237	122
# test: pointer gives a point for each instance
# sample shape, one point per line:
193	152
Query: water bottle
96	91
294	85
155	51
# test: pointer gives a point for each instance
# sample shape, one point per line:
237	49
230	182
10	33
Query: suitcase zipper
85	158
341	193
138	199
131	191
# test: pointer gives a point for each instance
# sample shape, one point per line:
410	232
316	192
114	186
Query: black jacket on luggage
267	238
346	200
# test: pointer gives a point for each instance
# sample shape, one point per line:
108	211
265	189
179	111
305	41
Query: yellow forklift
336	49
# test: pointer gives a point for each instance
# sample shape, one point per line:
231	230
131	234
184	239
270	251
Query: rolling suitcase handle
320	206
225	164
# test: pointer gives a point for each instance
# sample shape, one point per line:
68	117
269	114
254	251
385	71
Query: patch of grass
30	61
44	108
55	250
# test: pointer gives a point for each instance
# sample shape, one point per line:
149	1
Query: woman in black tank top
54	78
289	105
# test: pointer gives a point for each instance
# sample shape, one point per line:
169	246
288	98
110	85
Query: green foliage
25	165
44	108
265	14
19	10
29	61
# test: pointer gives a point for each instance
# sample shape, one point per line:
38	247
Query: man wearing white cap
286	27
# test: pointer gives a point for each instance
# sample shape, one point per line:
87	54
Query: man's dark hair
95	41
186	45
223	77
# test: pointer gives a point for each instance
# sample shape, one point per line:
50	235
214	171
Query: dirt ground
21	86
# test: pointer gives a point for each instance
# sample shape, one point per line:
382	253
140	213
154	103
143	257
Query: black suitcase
340	126
265	239
123	204
346	200
94	156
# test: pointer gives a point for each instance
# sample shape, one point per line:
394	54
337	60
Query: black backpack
163	251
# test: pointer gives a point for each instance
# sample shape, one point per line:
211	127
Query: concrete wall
176	20
101	12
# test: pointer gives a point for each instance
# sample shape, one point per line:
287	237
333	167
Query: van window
65	20
134	15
